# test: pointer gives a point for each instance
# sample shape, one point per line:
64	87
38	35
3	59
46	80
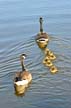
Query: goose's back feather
25	75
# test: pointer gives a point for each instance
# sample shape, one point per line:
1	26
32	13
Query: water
18	27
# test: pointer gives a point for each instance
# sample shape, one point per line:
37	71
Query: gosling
53	69
50	54
47	62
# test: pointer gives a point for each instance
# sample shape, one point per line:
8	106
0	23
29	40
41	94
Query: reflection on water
19	25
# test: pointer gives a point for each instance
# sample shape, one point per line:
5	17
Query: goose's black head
23	56
41	19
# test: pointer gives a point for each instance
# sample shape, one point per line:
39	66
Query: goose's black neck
23	67
41	28
22	64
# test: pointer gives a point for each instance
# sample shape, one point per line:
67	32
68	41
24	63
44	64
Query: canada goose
42	37
22	78
53	69
47	62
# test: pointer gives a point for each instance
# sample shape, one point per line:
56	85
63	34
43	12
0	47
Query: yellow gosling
52	57
53	69
50	54
42	37
47	62
46	51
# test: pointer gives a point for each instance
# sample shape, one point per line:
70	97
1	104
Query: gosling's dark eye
53	68
46	60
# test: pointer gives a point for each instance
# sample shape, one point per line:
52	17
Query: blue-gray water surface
19	24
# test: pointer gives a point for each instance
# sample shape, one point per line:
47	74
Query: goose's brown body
25	75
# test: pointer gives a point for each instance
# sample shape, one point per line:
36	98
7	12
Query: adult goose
22	78
42	37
